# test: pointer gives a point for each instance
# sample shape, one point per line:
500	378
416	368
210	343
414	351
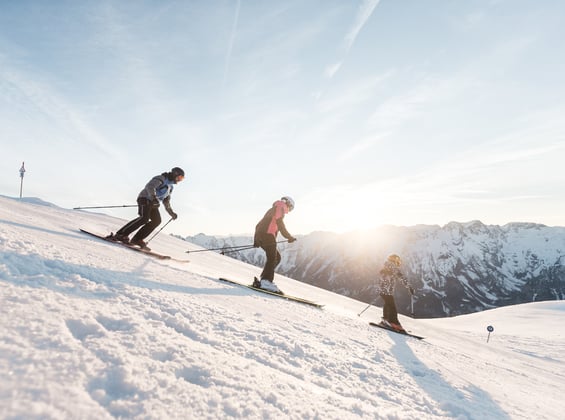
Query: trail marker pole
490	329
22	172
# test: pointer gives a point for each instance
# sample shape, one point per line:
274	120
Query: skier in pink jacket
266	237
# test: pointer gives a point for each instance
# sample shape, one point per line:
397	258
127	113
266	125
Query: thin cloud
363	15
332	69
232	40
357	93
41	100
395	111
361	146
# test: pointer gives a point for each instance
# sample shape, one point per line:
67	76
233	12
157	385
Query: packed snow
93	330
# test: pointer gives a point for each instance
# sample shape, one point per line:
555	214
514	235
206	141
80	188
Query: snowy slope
91	330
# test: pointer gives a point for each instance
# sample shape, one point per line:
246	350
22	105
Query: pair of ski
281	295
135	248
386	327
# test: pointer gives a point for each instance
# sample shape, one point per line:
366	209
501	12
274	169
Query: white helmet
289	202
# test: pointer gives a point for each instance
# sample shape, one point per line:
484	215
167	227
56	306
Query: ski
133	247
374	324
281	295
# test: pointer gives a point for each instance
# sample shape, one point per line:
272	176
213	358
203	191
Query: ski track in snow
92	330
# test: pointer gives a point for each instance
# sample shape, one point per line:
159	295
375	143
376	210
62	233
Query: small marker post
22	173
490	329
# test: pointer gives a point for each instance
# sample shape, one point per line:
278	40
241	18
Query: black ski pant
389	309
269	245
149	218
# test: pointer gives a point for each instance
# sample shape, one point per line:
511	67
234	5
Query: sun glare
358	211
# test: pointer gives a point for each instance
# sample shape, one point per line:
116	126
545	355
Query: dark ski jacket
390	274
272	222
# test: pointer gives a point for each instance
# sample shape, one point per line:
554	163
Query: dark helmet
176	171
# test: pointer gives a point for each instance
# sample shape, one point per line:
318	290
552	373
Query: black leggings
149	218
389	309
273	258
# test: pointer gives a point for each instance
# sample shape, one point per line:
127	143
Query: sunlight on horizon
350	209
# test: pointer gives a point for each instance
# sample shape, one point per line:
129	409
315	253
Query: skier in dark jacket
266	237
157	190
390	275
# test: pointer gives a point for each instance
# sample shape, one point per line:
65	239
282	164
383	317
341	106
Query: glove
155	203
291	240
174	215
411	289
256	243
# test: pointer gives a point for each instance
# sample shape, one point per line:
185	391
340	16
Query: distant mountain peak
458	268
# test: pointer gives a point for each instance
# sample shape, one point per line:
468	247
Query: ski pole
412	305
228	248
104	207
170	220
235	248
368	306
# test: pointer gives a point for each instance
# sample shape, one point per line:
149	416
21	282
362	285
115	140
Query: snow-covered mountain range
456	269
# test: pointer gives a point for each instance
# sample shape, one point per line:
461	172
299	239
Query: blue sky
366	112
